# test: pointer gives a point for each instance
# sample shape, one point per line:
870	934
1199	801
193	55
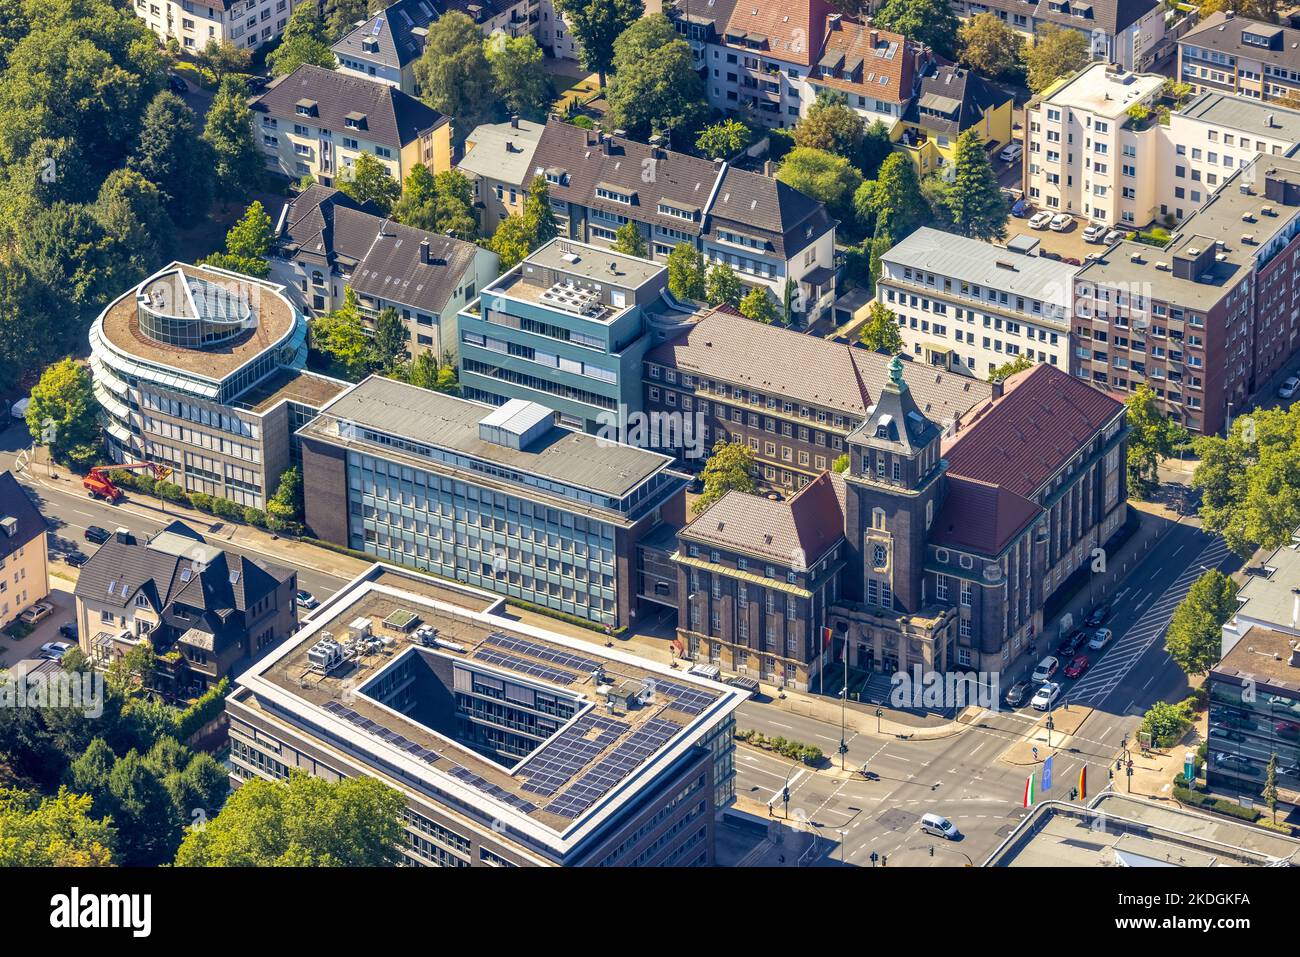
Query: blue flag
1047	774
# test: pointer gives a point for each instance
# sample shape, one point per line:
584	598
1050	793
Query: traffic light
785	795
932	850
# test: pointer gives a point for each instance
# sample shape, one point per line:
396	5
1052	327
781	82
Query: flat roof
1242	114
1102	92
593	764
424	417
593	263
274	319
1117	830
1263	654
296	385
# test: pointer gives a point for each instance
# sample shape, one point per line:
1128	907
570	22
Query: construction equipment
99	485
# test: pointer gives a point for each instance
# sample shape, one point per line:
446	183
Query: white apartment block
194	23
969	306
1127	32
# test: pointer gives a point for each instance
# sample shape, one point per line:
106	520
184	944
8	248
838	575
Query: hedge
208	706
807	753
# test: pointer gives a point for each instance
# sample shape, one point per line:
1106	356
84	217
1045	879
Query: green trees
931	22
686	273
824	176
759	306
218	59
724	139
629	241
341	15
1055	52
517	236
1009	368
301	822
728	468
899	206
28	331
171	154
880	331
442	204
1269	794
305	40
65	249
1153	436
428	372
249	243
63	409
130	209
56	831
974	199
1195	635
518	75
340	338
1166	722
655	88
370	181
284	508
830	125
454	74
988	45
596	24
237	162
841	463
723	286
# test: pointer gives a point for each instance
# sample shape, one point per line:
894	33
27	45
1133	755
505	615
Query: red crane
99	485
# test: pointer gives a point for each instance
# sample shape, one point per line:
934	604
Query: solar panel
618	764
569	752
557	656
685	699
427	755
379	25
514	663
492	790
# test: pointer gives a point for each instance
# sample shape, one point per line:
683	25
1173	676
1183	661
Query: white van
939	826
19	409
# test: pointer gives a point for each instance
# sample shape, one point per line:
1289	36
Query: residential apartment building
565	328
1208	319
1249	58
878	72
201	370
1255	688
949	101
502	499
511	745
315	122
205	612
969	306
794	399
328	243
499	162
385	47
769	233
1130	33
196	23
1086	155
24	554
926	552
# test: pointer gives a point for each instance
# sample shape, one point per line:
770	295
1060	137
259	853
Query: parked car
1094	233
1061	222
38	612
1046	696
1077	667
1100	639
76	558
98	535
306	599
68	630
1071	643
1011	152
696	485
1287	729
1113	236
54	650
1098	616
1045	669
1040	220
1288	387
256	84
1018	694
176	84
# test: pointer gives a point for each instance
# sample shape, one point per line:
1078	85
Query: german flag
1083	782
826	637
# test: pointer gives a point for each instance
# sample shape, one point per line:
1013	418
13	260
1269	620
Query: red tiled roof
803	528
1019	440
882	75
980	517
792	28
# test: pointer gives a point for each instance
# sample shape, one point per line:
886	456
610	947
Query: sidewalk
1065	722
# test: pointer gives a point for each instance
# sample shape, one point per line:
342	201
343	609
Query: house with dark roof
205	612
327	242
938	546
24	557
1128	32
769	233
384	47
316	122
1251	58
949	101
877	72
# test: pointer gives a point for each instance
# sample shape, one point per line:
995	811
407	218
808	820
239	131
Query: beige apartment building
24	558
195	23
499	162
1250	58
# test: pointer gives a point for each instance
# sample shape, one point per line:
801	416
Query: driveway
65	609
1069	244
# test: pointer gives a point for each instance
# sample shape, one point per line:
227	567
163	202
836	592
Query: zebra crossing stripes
1124	653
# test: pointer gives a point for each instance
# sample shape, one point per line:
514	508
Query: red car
1078	666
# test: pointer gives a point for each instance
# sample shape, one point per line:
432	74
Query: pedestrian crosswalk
1126	651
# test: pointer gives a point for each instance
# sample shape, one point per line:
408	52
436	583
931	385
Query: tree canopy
824	176
1055	52
974	199
454	74
596	24
988	45
305	40
518	74
655	88
1153	436
880	331
832	126
931	22
728	468
1195	636
686	272
369	180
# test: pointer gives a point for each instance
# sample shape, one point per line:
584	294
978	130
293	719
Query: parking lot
65	610
1068	245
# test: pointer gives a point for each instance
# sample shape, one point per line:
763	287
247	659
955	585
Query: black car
696	485
1098	616
76	559
177	85
1018	694
1071	643
98	535
68	630
256	84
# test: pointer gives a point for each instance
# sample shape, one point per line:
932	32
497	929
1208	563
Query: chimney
124	536
424	251
514	121
605	139
997	390
9	525
875	38
1295	607
1294	662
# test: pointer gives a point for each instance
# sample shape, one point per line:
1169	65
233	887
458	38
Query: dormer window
355	121
614	194
306	108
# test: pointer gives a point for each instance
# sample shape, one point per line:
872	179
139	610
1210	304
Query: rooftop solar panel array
617	765
415	750
490	789
569	752
524	667
686	699
533	649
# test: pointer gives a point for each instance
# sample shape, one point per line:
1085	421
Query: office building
201	370
511	745
968	306
502	498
